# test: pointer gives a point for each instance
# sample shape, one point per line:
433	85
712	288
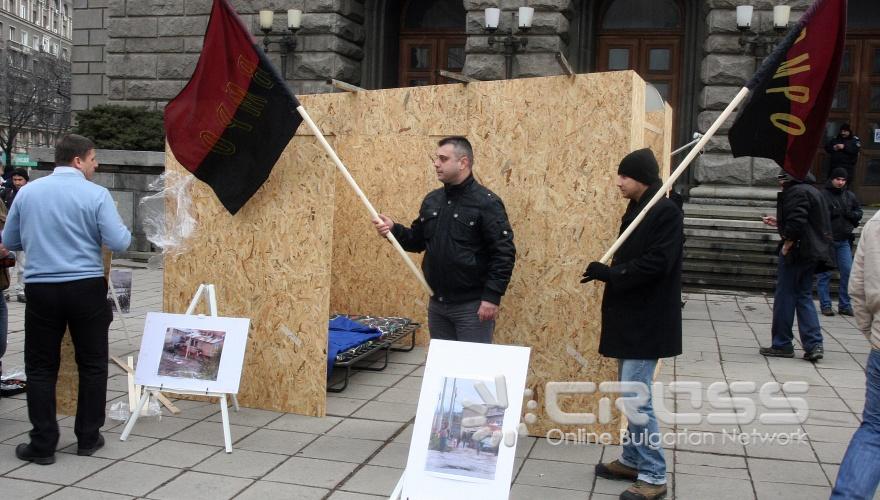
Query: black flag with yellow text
791	93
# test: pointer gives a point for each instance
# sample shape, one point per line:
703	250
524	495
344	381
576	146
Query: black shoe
816	354
827	311
777	353
845	311
87	452
24	452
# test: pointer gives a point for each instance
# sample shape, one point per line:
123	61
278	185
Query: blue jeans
843	255
860	470
794	293
643	451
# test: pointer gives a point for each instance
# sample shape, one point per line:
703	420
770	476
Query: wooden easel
224	410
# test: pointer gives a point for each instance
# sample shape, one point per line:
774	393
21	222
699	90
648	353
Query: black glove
596	271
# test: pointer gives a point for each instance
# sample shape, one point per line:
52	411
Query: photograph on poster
121	279
456	449
191	353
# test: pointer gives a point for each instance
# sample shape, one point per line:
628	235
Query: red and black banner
234	118
791	93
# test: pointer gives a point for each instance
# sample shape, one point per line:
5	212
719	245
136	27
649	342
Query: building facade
35	50
143	52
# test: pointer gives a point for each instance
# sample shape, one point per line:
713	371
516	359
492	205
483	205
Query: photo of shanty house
191	353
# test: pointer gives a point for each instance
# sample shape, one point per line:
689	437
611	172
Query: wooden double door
423	55
857	102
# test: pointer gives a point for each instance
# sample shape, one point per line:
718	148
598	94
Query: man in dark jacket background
846	213
468	243
804	227
641	315
843	151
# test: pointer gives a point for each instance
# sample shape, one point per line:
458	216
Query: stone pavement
358	450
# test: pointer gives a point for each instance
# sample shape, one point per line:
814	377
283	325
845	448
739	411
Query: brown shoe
617	471
644	491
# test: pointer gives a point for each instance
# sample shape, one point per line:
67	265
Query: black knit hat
641	166
838	172
846	127
21	172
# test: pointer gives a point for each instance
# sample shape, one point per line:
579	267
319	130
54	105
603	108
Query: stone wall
128	175
547	36
89	83
725	70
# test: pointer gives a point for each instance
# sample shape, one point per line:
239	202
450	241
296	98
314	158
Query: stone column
725	69
88	81
548	35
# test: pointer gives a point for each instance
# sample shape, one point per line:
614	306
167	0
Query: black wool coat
641	306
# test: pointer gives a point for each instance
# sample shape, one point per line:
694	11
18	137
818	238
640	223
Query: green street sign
22	160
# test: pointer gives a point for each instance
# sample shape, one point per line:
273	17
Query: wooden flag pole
676	174
351	182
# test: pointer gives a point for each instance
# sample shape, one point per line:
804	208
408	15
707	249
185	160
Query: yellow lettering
248	102
259	76
225	116
216	143
796	93
802	35
788	123
790	67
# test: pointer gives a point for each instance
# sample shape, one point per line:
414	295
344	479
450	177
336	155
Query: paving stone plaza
359	449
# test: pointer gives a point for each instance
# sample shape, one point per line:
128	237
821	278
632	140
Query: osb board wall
660	143
550	148
269	263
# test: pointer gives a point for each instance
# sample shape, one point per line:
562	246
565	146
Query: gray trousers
458	322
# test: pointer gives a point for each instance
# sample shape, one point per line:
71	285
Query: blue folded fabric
345	334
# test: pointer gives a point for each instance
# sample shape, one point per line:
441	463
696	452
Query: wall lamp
509	41
286	41
755	42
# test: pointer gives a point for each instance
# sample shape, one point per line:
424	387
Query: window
12	33
642	14
54	49
24	37
1	31
36	43
23	10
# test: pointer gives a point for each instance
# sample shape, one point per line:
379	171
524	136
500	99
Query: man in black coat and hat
846	213
843	151
641	317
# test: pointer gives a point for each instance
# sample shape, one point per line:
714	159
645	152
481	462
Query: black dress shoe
816	354
87	452
26	453
777	353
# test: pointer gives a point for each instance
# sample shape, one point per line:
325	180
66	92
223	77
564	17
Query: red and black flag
233	119
791	93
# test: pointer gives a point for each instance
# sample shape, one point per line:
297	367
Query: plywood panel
271	263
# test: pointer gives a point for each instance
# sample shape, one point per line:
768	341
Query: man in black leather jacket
468	243
843	151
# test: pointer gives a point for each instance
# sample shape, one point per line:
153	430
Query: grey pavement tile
195	410
718	488
115	449
844	378
67	470
704	464
781	471
8	460
820	417
129	478
775	491
397	412
272	441
405	436
340	449
373	480
343	407
211	433
73	493
415	357
711	443
377	379
395	368
410	384
830	453
303	423
365	429
25	490
829	434
347	495
159	427
396	395
831	472
311	472
524	445
250	417
796	450
170	453
827	404
567	451
10	429
191	485
565	475
263	490
362	391
526	492
9	404
392	455
240	463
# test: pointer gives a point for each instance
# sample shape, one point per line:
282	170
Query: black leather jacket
467	240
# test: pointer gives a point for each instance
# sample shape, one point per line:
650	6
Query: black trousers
82	306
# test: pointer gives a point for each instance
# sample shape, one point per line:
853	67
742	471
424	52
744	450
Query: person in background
19	178
843	151
846	213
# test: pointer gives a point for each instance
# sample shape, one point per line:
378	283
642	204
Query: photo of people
461	442
191	353
121	279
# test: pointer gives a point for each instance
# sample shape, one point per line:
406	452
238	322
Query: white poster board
450	456
192	353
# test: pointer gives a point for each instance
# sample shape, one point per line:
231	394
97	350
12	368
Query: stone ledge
109	158
733	192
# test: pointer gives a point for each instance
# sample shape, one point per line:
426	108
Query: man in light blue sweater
61	221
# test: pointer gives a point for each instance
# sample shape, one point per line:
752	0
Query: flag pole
351	182
676	174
